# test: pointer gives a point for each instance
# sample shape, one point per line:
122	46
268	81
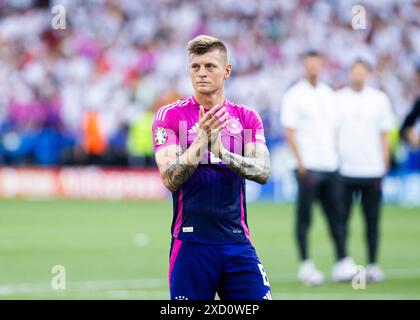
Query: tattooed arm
255	165
175	168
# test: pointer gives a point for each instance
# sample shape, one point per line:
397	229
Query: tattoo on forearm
178	172
250	167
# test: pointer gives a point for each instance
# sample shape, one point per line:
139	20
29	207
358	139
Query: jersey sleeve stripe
181	104
162	110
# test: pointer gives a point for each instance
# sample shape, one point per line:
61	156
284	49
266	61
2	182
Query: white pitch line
364	295
389	274
83	286
139	294
134	287
142	294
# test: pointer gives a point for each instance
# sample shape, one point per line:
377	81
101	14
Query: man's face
312	66
359	74
208	71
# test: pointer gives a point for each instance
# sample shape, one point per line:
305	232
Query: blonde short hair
203	43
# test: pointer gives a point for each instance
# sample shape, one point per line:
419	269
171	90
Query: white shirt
363	116
311	112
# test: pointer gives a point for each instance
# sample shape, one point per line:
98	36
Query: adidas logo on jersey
194	128
268	296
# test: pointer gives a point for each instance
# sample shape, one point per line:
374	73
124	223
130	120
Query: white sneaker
309	274
344	270
374	273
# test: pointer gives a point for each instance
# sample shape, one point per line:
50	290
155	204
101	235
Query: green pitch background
119	250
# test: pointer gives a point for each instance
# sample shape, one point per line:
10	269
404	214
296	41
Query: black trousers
370	192
325	187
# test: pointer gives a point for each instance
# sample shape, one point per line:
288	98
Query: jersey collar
196	104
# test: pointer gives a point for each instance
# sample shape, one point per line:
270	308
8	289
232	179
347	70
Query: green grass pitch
119	250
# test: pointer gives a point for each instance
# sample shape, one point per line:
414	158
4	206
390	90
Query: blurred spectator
94	141
140	140
121	56
117	154
410	131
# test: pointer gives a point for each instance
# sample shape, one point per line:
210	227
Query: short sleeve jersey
210	207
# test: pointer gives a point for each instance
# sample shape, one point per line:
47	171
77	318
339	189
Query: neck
312	80
357	87
210	100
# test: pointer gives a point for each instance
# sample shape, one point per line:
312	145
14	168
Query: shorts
198	271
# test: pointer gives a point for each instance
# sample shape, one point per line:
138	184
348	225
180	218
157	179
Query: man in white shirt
365	119
309	117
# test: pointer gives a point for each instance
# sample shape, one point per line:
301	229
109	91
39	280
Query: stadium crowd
87	94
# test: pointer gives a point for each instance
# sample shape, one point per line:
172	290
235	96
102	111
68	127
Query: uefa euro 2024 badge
233	125
160	136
